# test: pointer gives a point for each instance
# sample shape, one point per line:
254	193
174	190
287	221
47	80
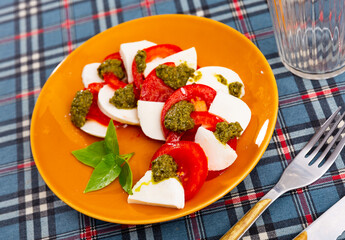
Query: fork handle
249	218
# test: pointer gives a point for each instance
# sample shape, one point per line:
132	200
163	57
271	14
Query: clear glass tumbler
310	35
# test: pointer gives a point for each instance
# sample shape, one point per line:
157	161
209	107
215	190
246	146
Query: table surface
36	35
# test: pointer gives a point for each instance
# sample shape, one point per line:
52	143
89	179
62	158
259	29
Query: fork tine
336	151
317	149
317	136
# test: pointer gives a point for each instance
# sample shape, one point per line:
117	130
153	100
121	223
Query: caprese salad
198	112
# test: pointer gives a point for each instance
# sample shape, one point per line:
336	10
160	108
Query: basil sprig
107	162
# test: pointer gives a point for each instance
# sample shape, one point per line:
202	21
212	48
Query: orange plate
53	137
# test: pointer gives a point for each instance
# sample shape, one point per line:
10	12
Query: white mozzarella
231	108
219	155
90	74
128	116
167	193
149	114
187	56
128	52
208	77
94	128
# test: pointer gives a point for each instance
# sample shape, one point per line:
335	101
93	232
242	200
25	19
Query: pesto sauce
178	117
163	167
226	131
221	79
80	107
174	77
140	60
235	88
111	65
124	98
196	77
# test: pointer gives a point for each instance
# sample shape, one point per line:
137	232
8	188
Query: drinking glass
310	36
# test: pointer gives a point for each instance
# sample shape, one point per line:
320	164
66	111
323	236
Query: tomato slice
157	51
113	81
188	92
160	51
154	89
113	56
191	162
94	111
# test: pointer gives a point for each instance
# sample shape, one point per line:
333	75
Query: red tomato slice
154	89
157	51
94	111
188	93
113	81
113	56
191	162
160	51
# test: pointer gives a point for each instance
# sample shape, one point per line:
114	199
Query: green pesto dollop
174	77
124	98
235	89
80	107
226	131
221	79
111	65
163	167
140	61
178	117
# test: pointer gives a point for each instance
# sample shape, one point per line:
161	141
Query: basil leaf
104	173
111	144
127	156
92	154
126	178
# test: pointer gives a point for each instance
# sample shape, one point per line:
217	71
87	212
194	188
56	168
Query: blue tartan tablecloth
36	35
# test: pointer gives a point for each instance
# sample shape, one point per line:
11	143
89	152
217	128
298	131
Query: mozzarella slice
208	77
94	128
219	155
167	193
187	56
128	116
149	114
128	52
90	74
231	108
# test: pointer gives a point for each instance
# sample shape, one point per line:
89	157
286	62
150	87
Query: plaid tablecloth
36	35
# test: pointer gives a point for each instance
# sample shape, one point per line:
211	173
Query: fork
302	171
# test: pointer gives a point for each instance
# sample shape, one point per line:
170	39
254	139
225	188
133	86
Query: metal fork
302	171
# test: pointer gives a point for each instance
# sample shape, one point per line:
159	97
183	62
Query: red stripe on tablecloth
258	35
18	167
67	24
21	95
88	233
195	226
238	9
25	165
282	141
304	205
324	92
147	5
244	198
338	177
